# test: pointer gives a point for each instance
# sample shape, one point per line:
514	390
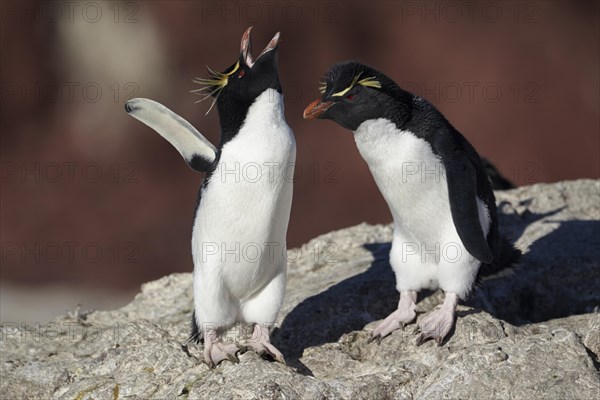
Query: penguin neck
266	106
379	139
231	119
410	113
396	104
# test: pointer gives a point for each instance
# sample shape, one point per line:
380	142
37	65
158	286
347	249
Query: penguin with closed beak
443	208
243	208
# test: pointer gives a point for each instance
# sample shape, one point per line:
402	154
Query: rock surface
535	335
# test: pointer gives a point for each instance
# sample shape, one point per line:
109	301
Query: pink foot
396	320
216	351
439	322
261	343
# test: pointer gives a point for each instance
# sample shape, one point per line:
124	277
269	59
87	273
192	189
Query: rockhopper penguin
243	209
444	210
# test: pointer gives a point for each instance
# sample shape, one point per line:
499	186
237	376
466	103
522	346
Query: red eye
241	73
350	96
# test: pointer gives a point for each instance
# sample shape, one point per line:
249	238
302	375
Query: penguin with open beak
243	209
444	211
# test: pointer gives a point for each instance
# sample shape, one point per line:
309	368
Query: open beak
316	109
246	47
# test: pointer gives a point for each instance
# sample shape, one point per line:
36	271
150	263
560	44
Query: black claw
233	358
421	339
278	359
373	338
377	338
401	325
439	340
416	330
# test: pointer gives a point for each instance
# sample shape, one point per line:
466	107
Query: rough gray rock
535	335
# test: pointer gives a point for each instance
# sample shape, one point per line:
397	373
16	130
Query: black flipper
461	177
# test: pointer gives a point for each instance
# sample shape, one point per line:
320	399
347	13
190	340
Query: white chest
426	247
248	197
410	177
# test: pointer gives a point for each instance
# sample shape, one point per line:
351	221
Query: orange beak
316	109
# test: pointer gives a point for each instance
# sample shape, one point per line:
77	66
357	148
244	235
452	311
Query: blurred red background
93	203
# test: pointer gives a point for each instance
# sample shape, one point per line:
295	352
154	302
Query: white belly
239	235
411	179
426	249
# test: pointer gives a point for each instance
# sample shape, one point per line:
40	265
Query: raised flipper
199	153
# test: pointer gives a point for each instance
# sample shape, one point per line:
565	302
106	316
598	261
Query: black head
236	88
353	93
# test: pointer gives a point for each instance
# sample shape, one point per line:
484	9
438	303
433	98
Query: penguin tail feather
505	262
196	335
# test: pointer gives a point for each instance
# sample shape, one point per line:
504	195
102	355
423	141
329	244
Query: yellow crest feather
343	92
370	82
215	81
322	87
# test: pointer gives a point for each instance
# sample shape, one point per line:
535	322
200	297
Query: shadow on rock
557	277
343	308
